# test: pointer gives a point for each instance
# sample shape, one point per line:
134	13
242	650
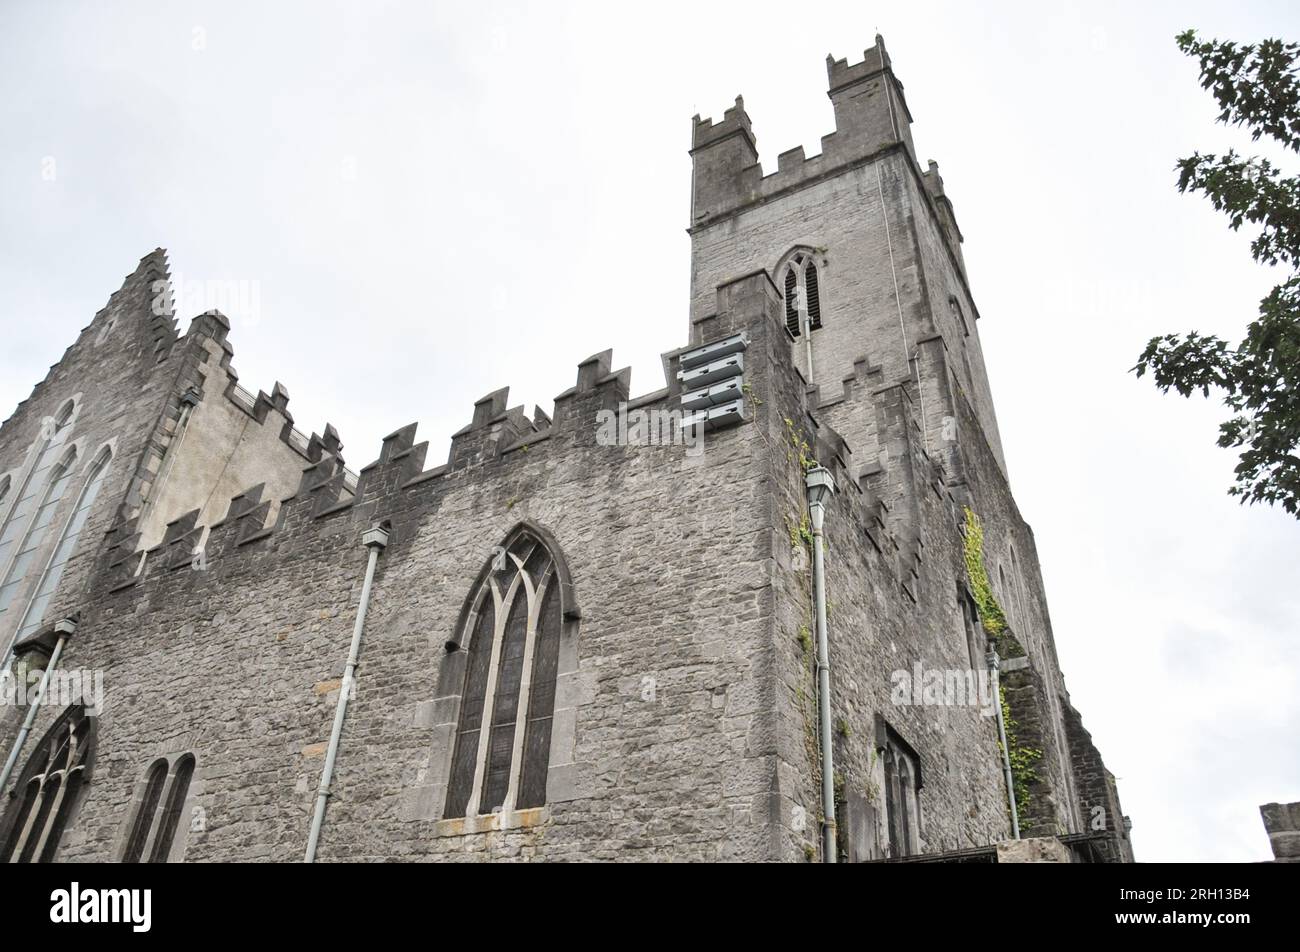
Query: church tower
863	245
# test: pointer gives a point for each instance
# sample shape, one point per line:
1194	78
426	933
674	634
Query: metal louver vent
791	298
814	298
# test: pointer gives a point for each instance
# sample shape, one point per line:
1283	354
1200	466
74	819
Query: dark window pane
49	793
541	700
31	794
162	844
505	706
144	815
63	810
461	783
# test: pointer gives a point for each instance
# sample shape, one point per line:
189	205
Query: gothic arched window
182	774
49	788
15	518
67	545
156	815
144	814
902	776
510	631
802	292
30	533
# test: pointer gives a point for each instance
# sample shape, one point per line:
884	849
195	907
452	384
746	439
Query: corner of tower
870	108
725	161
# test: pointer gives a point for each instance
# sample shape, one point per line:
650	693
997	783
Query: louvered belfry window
512	639
802	293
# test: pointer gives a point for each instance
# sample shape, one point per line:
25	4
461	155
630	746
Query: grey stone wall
1282	822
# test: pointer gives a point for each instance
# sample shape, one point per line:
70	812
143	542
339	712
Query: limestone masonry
589	635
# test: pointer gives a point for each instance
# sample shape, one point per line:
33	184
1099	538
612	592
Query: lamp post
820	487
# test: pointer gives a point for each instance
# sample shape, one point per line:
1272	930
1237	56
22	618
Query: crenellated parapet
401	460
871	117
597	388
747	324
492	427
245	521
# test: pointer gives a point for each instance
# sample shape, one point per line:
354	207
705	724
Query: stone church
588	635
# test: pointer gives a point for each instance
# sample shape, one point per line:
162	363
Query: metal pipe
993	661
898	303
824	695
375	540
807	334
65	628
820	486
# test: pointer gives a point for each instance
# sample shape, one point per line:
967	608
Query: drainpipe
993	662
807	339
820	487
64	629
375	540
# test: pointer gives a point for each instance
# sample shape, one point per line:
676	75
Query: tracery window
511	634
48	790
800	287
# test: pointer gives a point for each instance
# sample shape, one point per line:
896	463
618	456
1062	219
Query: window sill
492	822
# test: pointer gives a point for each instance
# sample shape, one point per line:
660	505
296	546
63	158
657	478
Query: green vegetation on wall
1022	758
992	617
994	620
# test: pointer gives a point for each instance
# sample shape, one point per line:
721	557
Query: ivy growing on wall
799	446
994	621
992	617
1022	758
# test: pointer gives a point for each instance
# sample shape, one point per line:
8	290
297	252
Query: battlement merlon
735	123
725	158
870	109
871	115
947	216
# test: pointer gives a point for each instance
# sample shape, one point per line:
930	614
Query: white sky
519	201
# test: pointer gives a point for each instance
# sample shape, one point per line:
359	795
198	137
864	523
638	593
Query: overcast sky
435	200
